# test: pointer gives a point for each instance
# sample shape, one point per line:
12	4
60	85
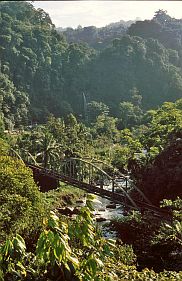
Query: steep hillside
41	73
134	65
37	64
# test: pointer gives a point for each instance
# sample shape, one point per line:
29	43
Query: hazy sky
100	13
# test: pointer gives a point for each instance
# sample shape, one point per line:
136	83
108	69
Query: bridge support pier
44	181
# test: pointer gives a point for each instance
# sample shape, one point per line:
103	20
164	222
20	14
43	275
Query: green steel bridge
90	176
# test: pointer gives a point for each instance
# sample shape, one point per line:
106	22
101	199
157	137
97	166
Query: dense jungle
113	94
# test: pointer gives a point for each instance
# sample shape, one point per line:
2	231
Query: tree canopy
41	73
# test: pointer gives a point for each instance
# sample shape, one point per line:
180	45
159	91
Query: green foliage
155	241
106	125
97	38
73	251
21	208
37	65
48	144
156	166
161	123
170	232
128	147
132	62
150	275
55	255
130	114
40	73
13	103
163	28
12	255
119	156
2	128
4	147
161	178
95	109
169	235
62	196
52	246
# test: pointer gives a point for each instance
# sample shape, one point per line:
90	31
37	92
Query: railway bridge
90	176
93	176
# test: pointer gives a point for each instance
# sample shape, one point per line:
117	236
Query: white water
100	211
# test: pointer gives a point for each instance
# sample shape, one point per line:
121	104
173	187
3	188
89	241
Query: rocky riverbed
104	211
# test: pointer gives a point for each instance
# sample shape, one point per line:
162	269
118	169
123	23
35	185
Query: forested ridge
37	64
121	105
42	73
97	38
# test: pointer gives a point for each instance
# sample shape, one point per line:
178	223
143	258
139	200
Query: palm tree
49	150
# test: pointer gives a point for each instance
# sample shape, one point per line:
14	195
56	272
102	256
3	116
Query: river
104	211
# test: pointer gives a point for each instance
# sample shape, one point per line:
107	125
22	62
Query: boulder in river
80	201
76	211
111	206
100	219
65	211
101	210
69	211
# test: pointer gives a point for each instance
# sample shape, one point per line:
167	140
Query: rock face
163	177
111	206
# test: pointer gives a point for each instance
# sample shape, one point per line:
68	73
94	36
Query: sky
101	13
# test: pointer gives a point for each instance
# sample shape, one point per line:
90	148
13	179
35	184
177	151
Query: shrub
21	204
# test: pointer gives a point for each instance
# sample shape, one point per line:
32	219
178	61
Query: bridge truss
96	177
